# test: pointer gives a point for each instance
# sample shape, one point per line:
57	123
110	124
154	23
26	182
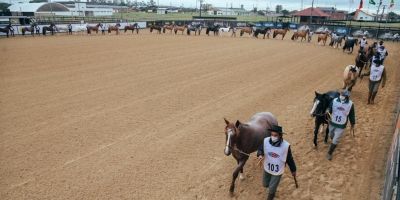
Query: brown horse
248	30
179	28
93	28
155	27
350	75
31	29
169	27
323	37
243	139
303	34
132	27
114	28
280	32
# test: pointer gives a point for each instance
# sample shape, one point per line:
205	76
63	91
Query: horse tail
241	32
292	37
23	31
207	31
163	30
44	30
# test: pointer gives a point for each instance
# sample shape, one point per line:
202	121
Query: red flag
361	5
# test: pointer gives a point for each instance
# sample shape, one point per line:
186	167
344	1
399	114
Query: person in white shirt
276	153
363	43
377	74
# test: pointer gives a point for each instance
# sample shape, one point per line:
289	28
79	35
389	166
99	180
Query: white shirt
275	157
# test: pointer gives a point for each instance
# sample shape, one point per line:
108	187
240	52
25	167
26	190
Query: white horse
350	75
224	29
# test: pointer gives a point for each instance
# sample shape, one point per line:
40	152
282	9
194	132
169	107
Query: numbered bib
376	72
340	111
275	157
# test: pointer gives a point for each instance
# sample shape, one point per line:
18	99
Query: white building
14	1
362	15
37	9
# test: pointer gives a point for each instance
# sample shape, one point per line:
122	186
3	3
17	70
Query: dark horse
93	28
214	28
195	28
132	27
31	29
7	30
261	31
361	61
155	27
241	139
50	28
319	111
349	44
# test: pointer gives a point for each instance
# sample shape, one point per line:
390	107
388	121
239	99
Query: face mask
342	98
274	139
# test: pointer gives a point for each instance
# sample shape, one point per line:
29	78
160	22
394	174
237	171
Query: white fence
392	179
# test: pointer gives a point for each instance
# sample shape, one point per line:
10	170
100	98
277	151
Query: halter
228	144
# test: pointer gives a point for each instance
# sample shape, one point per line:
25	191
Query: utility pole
312	8
383	10
201	2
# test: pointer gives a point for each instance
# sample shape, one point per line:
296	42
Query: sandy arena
141	117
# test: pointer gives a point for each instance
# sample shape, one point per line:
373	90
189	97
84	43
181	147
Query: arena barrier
76	27
391	189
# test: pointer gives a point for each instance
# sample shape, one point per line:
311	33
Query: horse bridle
228	144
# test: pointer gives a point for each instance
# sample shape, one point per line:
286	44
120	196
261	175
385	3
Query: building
14	1
162	11
333	13
362	15
57	9
317	15
229	11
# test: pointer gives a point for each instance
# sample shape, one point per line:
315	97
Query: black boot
369	97
271	196
330	152
373	97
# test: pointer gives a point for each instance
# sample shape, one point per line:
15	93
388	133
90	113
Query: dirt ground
141	117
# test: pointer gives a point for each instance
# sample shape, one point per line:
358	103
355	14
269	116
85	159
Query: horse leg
316	130
236	173
326	134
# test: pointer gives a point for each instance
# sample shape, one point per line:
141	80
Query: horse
248	30
349	44
361	61
241	139
336	39
31	29
179	28
280	32
303	34
114	28
50	28
350	74
6	30
195	28
132	27
214	29
155	27
169	27
319	111
224	29
264	32
93	28
322	37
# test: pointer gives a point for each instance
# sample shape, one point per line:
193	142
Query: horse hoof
241	177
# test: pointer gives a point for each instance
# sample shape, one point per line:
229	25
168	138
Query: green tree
38	1
392	16
285	12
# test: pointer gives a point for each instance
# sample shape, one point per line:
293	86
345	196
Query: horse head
232	132
320	105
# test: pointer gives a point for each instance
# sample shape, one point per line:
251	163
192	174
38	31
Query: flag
361	5
372	2
391	4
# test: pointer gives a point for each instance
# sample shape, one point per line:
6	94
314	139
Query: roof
38	7
308	11
358	11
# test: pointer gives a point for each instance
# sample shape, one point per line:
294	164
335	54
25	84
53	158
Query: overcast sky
346	5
